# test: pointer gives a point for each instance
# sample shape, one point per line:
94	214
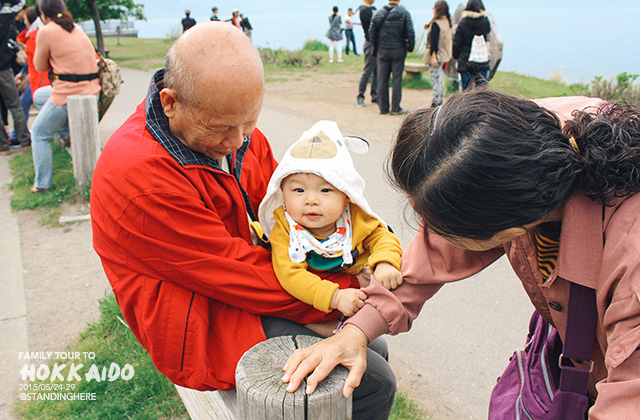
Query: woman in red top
28	38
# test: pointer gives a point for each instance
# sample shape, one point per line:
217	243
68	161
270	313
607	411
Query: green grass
149	395
63	188
405	408
527	86
137	53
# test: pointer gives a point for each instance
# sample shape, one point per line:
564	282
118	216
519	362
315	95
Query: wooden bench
261	394
414	70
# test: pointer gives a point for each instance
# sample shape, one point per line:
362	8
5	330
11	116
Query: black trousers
369	71
390	61
373	399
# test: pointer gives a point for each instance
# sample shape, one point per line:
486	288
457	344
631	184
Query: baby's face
313	202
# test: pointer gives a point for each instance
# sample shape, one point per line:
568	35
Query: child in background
317	219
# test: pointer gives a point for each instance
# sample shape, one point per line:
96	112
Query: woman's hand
348	348
433	61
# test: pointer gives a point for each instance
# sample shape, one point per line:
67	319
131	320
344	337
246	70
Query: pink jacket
611	267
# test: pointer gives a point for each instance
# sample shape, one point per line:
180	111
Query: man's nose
235	138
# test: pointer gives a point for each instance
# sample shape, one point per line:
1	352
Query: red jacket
175	244
36	79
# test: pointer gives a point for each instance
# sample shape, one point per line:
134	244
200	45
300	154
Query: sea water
576	40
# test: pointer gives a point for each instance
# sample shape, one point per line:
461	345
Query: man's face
216	126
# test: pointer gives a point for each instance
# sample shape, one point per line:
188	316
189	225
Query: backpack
110	81
479	50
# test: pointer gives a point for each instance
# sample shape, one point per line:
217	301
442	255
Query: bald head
213	89
212	58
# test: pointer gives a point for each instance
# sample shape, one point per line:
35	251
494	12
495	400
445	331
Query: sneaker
360	102
384	112
340	61
374	100
14	144
399	112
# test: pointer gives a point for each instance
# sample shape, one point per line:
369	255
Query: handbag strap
579	337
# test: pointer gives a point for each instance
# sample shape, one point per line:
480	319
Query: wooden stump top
262	394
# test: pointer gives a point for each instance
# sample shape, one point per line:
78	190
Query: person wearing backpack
66	52
438	51
473	72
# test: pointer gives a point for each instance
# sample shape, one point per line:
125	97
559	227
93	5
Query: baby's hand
387	275
348	301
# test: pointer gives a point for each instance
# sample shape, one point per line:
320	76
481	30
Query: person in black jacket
366	10
187	21
8	89
474	22
246	25
392	35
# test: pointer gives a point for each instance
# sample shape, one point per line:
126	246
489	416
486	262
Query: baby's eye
327	190
298	190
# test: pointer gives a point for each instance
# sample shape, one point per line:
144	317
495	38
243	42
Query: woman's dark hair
442	9
335	9
32	14
484	161
475	5
56	10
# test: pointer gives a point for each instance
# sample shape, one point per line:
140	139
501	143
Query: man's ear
169	100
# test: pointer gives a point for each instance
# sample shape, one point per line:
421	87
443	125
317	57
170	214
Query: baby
317	219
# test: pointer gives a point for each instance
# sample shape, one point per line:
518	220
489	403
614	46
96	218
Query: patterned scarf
339	243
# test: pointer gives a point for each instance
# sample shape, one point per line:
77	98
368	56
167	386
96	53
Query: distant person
392	35
246	25
36	79
474	22
8	89
366	11
335	35
348	31
63	49
317	218
187	20
438	51
214	14
235	19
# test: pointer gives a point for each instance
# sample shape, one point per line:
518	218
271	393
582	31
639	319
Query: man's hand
348	348
387	275
348	301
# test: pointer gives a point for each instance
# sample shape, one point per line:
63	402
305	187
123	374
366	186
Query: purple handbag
540	382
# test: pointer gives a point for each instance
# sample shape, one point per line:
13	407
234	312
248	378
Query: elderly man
172	198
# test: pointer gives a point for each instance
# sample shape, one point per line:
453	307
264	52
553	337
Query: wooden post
262	394
85	137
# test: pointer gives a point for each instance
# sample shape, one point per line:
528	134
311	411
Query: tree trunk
96	21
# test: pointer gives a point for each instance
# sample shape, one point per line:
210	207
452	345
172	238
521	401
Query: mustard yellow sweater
374	241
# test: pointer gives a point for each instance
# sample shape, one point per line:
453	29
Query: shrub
286	58
620	88
315	45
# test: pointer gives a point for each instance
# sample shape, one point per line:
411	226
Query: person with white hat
316	218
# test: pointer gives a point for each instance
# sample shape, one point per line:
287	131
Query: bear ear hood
324	151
